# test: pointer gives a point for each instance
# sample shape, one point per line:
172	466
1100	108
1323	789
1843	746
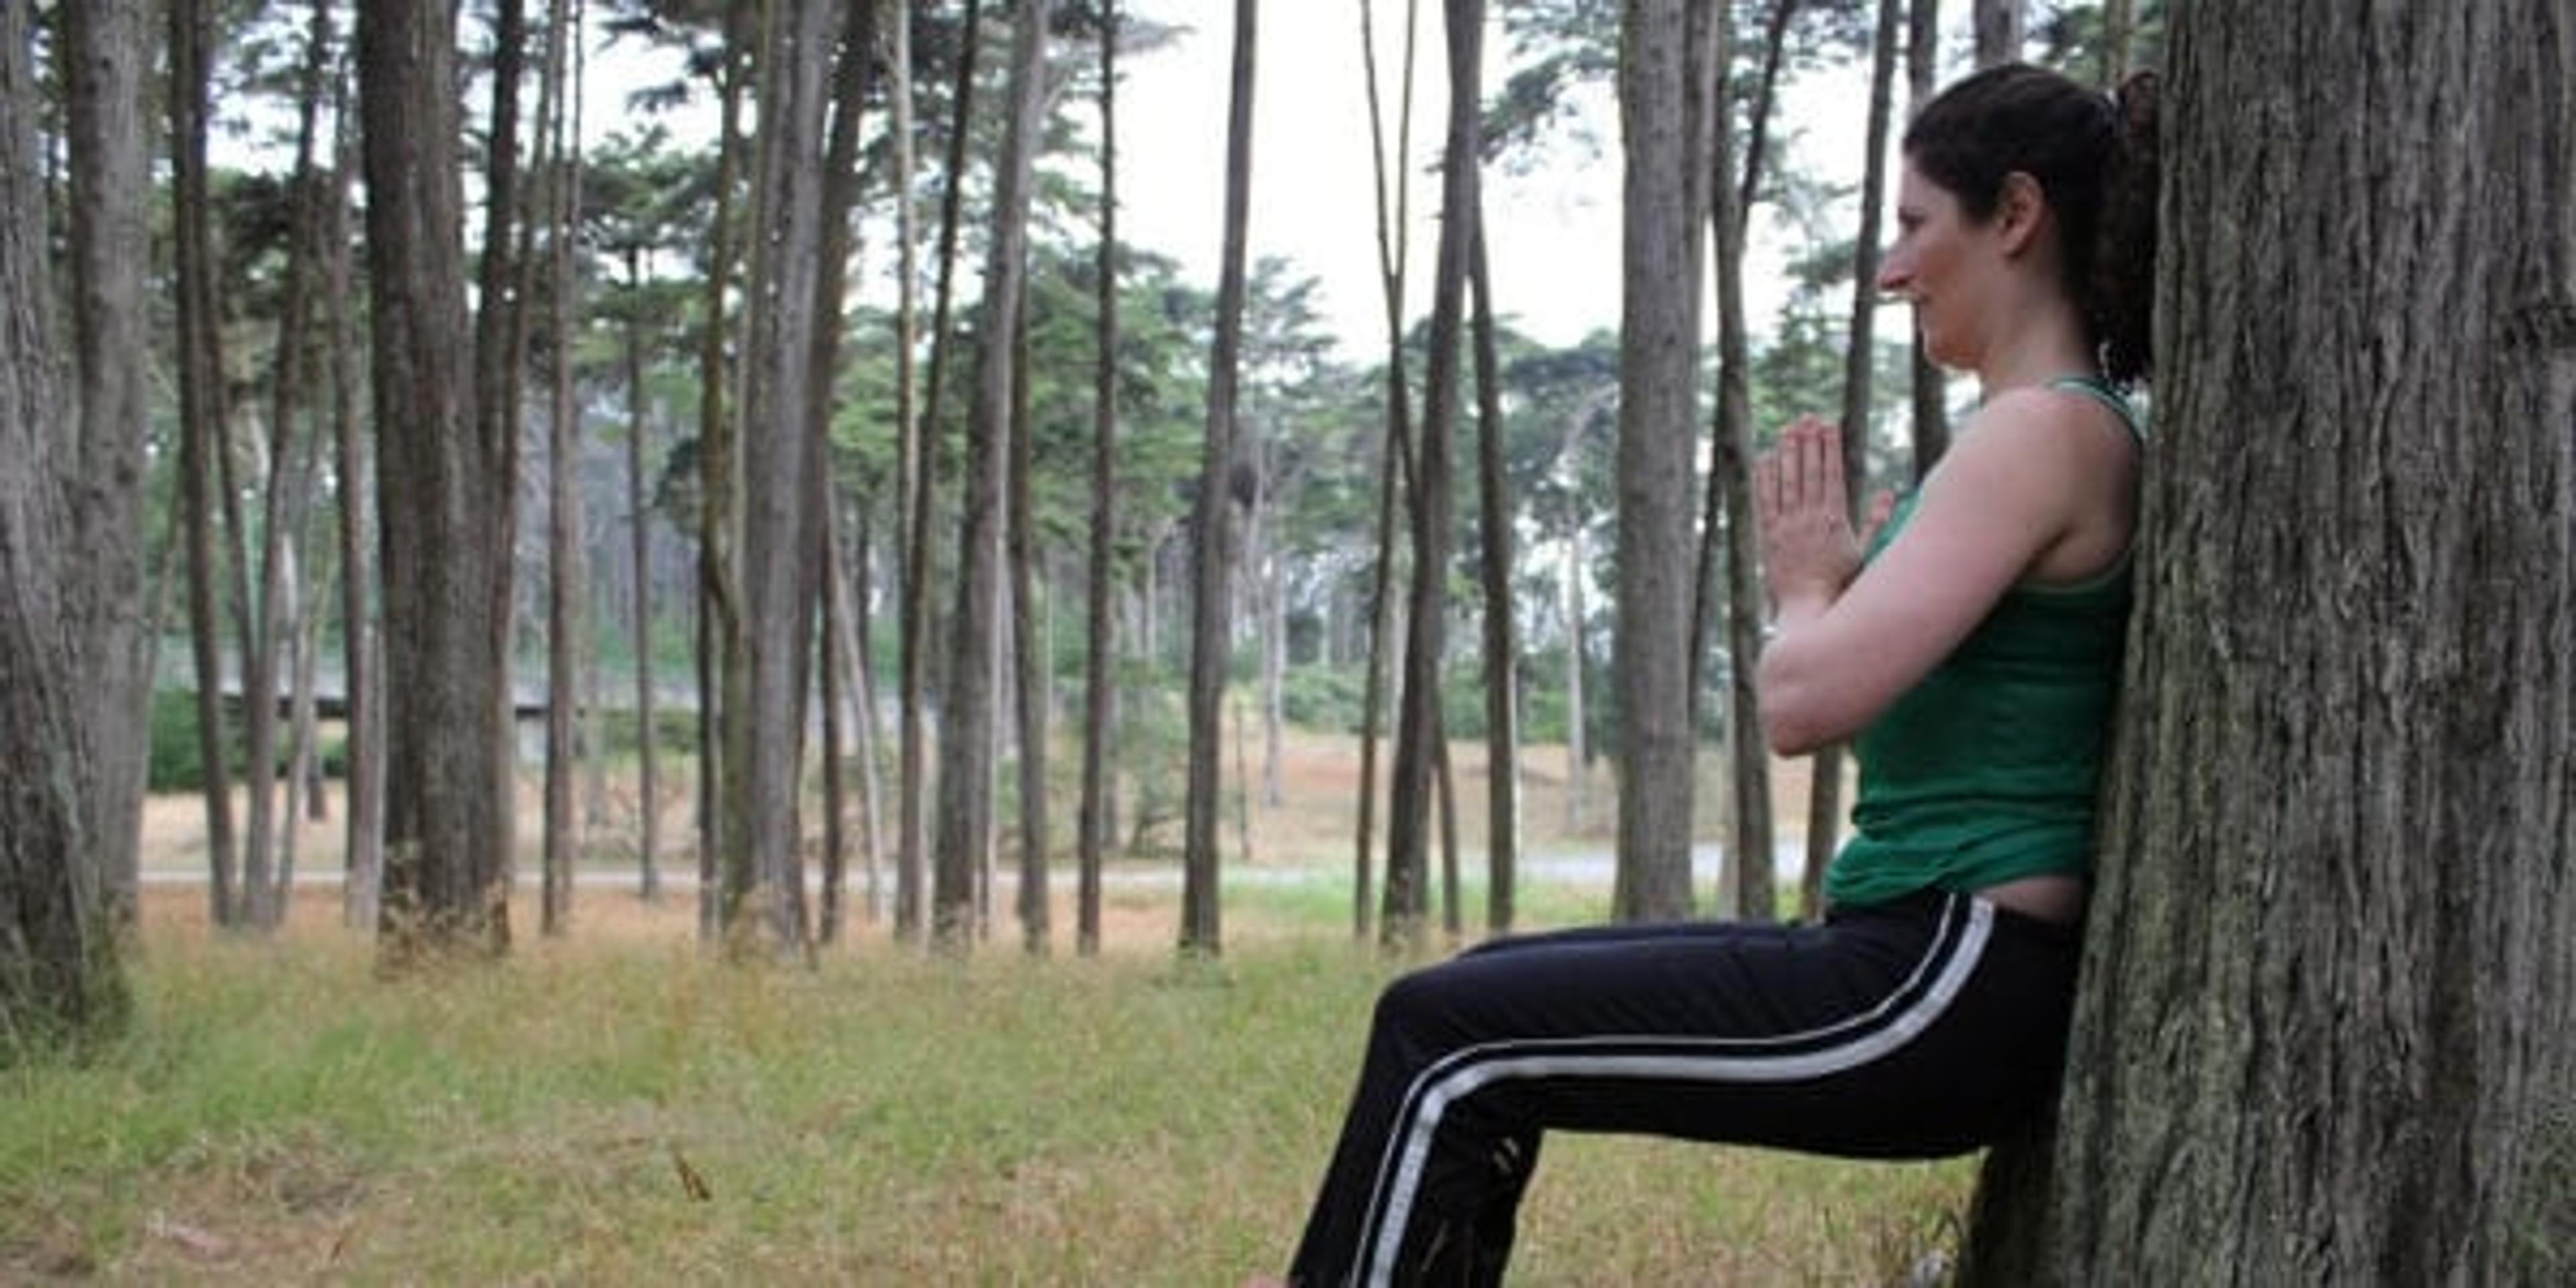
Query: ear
2021	210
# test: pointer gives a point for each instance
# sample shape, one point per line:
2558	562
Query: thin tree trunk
1657	406
500	359
965	815
1931	385
1028	648
640	549
560	198
1825	802
1093	826
1421	748
1212	524
1578	785
861	665
1730	504
1502	634
203	435
852	81
835	640
1998	29
2119	35
362	649
911	884
717	606
1397	457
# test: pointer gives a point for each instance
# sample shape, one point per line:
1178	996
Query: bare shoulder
2065	454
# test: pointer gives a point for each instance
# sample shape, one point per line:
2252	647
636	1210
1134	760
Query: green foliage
675	733
1333	699
175	762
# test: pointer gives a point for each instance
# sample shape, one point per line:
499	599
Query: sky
1553	233
1553	227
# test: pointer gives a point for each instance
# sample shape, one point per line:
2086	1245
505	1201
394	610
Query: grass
279	1113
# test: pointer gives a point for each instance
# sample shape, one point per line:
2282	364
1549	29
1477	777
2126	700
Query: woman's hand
1809	551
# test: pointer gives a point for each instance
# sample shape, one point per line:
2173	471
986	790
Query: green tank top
1985	771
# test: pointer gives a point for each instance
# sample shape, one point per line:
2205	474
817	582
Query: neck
2048	344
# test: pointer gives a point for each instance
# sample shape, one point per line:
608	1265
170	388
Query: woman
1971	651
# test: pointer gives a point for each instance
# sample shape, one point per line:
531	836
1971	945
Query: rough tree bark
911	884
202	433
965	814
1396	460
59	979
1658	381
1502	632
1212	544
2327	1026
441	487
1093	823
1418	725
108	56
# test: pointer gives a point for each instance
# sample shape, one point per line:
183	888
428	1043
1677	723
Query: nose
1895	273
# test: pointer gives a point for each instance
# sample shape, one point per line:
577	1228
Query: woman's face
1932	265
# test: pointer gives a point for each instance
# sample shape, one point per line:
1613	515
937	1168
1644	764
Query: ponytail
2119	301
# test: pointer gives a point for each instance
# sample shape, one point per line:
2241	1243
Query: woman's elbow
1790	736
1792	724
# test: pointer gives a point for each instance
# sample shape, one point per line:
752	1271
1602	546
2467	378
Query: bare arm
1850	640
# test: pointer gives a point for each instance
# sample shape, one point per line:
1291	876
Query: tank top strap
2099	390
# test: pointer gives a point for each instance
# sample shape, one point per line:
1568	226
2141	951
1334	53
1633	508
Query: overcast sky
1553	228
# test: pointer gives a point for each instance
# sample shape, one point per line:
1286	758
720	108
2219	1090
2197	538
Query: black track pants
1914	1029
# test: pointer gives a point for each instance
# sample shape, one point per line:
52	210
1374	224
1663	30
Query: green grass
280	1113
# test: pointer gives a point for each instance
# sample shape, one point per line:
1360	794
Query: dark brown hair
2094	158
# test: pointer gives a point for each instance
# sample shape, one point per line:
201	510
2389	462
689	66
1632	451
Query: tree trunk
1502	634
852	80
639	531
1418	736
965	816
1093	824
500	357
910	883
836	631
202	442
782	464
1212	525
1029	648
441	488
1578	783
2327	1026
362	646
2119	34
559	184
860	665
1825	800
718	606
108	56
59	978
1658	378
1396	461
1998	27
1731	520
1931	384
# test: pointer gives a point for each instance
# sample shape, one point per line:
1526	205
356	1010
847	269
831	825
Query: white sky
1553	232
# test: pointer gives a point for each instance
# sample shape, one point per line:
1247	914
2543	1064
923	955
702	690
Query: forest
567	466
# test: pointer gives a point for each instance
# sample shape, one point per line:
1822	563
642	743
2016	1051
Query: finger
1829	455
